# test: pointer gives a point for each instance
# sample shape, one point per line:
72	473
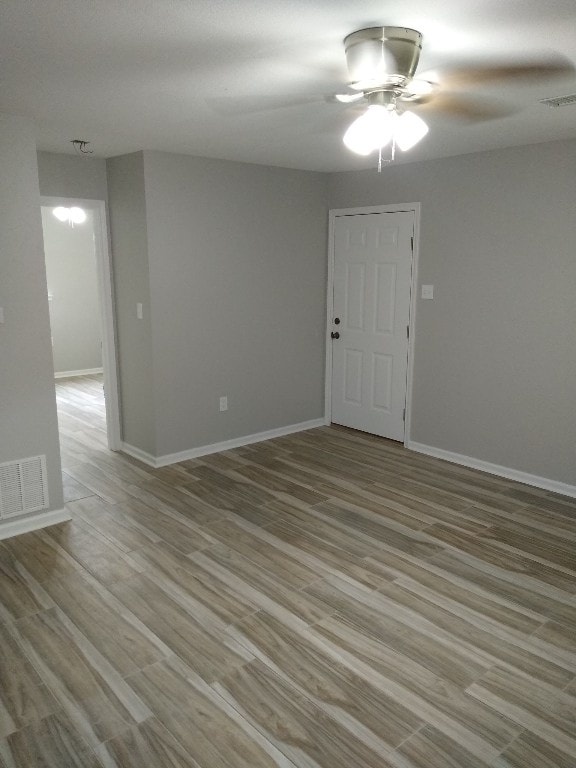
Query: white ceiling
248	79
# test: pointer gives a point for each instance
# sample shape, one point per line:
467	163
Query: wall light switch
223	403
1	314
139	313
427	292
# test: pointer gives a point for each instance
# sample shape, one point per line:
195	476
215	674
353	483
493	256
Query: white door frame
334	214
106	294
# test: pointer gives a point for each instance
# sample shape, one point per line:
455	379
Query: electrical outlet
223	403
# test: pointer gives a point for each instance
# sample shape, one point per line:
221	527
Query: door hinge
404	415
412	242
407	331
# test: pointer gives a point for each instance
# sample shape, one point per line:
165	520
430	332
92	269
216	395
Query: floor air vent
23	486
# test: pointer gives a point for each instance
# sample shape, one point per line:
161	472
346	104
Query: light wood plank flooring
325	599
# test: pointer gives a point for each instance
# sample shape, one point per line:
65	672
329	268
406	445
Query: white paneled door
372	280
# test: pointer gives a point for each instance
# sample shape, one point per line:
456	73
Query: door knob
335	335
336	321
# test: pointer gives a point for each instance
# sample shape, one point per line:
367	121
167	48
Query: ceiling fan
382	64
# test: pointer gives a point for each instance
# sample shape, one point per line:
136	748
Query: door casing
106	294
334	214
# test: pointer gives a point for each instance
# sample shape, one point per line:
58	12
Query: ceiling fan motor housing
382	56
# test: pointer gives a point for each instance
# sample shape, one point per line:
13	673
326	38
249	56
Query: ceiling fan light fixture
372	130
379	125
72	215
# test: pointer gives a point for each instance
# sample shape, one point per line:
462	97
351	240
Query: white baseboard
27	523
226	445
136	453
495	469
84	372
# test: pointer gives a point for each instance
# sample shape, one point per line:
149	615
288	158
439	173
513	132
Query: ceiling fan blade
347	98
470	109
529	70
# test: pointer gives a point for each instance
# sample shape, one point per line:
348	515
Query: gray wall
73	286
495	362
28	423
238	280
128	229
72	176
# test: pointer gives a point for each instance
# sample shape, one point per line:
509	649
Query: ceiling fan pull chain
392	155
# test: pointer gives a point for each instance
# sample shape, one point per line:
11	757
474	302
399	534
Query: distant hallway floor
324	599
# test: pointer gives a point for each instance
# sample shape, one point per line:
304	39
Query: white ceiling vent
560	101
23	486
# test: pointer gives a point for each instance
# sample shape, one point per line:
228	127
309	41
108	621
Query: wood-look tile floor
325	599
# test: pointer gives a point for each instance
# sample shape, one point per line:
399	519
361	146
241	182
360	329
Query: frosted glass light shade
61	213
410	129
370	131
77	215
